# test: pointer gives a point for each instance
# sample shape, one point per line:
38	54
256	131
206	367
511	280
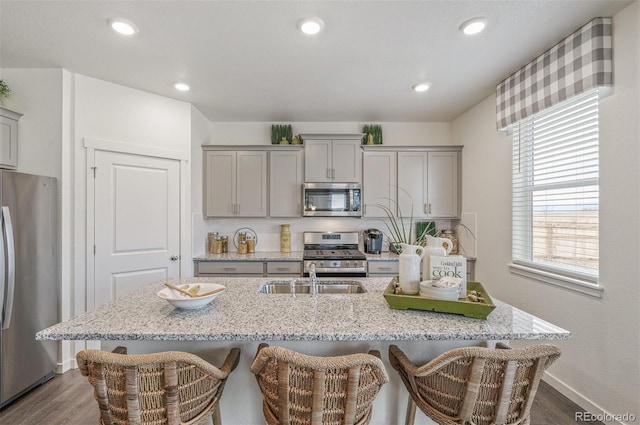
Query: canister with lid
451	235
217	245
251	244
225	244
242	247
211	238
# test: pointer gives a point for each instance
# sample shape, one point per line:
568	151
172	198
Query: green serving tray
465	308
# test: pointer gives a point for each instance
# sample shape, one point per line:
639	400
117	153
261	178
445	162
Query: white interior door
137	222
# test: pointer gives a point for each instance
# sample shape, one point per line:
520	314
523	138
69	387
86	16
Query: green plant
375	130
5	91
280	131
397	226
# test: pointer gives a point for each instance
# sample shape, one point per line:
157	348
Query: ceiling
246	60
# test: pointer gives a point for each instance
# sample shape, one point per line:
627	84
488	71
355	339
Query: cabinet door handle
237	209
429	208
424	208
384	268
229	269
333	173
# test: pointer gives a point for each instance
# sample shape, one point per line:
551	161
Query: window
555	191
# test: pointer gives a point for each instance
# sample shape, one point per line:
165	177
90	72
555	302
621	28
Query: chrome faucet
314	279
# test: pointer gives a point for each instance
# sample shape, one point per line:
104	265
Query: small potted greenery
4	90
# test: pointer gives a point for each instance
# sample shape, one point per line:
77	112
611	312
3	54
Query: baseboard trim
579	399
66	366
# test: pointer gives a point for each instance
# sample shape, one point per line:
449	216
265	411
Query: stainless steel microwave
332	200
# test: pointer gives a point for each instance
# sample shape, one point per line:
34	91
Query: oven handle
338	274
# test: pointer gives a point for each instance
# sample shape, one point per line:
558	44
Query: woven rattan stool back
475	385
310	390
151	389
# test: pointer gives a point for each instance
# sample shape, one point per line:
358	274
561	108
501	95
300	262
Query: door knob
174	258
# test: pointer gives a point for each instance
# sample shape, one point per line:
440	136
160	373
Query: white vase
409	263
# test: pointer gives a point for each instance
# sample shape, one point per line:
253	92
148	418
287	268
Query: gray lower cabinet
284	268
227	268
382	268
248	268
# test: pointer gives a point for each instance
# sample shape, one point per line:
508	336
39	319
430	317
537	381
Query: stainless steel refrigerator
29	282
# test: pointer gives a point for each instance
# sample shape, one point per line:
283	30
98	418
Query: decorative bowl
427	289
186	302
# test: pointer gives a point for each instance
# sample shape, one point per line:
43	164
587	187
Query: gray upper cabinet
285	183
429	182
9	138
443	185
379	183
235	183
332	158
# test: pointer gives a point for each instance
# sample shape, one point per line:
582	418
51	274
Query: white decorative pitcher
434	246
409	268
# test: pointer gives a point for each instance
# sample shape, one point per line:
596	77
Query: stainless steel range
335	254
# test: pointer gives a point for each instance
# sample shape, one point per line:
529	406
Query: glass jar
285	238
242	237
451	235
251	244
225	244
242	247
211	238
217	245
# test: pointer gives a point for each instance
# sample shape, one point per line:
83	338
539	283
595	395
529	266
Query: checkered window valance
578	63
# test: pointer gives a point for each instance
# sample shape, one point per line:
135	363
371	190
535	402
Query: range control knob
321	263
348	264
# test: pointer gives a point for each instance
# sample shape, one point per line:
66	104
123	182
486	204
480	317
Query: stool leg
411	412
217	420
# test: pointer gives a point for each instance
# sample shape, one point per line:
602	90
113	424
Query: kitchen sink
303	286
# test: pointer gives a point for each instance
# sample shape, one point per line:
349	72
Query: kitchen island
329	324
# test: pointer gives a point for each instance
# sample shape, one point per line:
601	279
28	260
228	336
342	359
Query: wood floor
68	399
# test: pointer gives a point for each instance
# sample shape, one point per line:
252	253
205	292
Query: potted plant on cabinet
4	90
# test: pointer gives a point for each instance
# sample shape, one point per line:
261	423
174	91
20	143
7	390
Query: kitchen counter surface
244	314
257	256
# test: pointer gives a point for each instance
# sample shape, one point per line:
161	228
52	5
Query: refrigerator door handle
11	266
3	280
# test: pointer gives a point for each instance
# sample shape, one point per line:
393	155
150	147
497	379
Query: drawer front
284	267
230	267
383	267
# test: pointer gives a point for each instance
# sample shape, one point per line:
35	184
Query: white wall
599	367
37	93
393	133
129	118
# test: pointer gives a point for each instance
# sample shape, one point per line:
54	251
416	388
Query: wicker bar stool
475	385
151	389
302	389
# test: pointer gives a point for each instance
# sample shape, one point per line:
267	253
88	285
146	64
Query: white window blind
555	189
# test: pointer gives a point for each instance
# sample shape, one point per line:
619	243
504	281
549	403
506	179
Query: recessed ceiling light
181	86
473	26
421	87
123	26
310	26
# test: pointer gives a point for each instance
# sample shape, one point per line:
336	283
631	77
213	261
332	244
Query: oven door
332	200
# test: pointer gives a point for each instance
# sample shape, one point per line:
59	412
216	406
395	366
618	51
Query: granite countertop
257	256
244	314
